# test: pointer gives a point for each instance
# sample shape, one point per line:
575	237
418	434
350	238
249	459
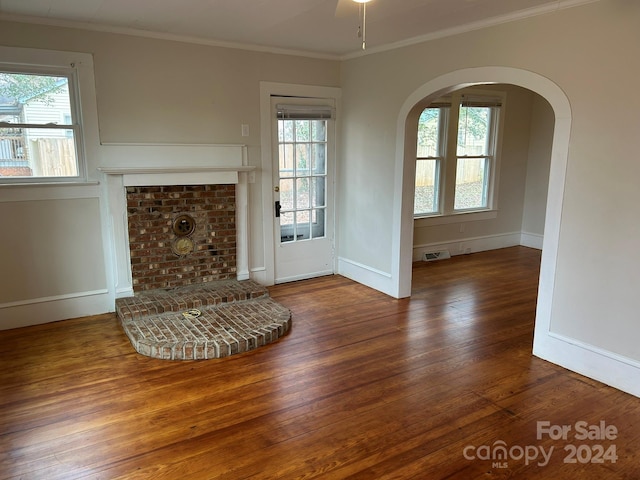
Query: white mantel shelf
183	175
172	170
142	164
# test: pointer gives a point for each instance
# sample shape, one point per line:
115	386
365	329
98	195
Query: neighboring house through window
41	136
457	157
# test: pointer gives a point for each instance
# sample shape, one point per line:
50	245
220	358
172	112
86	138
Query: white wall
538	165
589	303
52	256
148	91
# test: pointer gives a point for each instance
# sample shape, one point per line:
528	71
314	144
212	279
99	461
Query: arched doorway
405	174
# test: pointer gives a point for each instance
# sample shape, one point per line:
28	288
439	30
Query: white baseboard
469	245
53	309
607	367
366	275
531	240
382	281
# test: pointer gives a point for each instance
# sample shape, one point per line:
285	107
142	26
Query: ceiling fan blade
345	8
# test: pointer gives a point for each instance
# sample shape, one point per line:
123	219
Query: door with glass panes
303	180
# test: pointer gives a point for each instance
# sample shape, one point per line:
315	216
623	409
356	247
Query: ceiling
312	27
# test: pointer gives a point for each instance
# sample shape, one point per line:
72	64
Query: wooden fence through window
45	157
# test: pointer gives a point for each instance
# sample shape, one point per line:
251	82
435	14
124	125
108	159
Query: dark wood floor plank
364	386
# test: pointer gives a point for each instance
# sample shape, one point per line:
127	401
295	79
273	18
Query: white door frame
267	90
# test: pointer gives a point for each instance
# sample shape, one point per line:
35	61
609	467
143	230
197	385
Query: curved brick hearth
232	317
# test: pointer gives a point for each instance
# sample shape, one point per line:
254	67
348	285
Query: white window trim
79	66
447	214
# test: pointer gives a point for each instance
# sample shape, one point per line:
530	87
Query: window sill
433	220
35	183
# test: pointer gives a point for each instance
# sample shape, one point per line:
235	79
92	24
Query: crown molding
469	27
163	36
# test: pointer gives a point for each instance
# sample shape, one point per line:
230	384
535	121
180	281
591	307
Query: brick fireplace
179	243
209	246
209	187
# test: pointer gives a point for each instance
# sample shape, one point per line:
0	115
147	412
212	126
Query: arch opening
405	175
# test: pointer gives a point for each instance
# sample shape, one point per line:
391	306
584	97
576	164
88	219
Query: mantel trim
184	175
173	170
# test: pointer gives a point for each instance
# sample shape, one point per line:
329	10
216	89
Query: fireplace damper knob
184	225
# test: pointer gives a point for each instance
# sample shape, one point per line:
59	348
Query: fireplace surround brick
151	211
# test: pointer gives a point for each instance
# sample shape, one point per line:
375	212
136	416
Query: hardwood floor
363	387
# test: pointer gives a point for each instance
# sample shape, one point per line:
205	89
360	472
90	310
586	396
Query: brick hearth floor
230	317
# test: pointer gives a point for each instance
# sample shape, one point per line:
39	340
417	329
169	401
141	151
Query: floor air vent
433	256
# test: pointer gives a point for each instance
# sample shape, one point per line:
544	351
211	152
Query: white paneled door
303	189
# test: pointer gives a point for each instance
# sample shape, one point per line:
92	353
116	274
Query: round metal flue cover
184	225
182	246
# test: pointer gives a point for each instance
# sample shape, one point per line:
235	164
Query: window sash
449	189
468	191
53	163
302	186
427	187
427	194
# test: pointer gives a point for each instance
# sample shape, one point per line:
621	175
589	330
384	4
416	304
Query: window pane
285	131
473	131
319	155
34	99
286	194
429	132
303	226
286	160
302	193
317	223
37	152
319	128
319	190
303	158
426	196
471	183
303	130
287	227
